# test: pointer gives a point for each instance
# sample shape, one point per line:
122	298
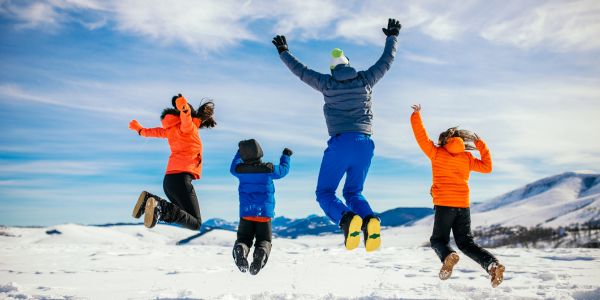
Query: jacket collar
343	72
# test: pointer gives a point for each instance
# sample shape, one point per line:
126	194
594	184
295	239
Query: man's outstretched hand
393	28
280	42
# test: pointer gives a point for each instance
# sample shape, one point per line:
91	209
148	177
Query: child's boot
260	257
372	233
351	224
240	256
449	262
496	271
140	205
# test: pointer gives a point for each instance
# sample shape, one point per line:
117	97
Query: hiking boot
259	260
372	233
351	224
240	256
496	271
449	262
140	205
152	212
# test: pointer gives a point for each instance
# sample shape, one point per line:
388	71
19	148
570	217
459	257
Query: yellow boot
372	233
351	224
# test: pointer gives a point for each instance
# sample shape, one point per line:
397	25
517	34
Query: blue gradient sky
525	77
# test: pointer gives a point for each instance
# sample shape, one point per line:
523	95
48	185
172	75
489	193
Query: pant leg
333	167
362	152
183	209
264	235
246	232
443	220
263	238
461	228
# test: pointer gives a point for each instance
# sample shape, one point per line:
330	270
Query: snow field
131	262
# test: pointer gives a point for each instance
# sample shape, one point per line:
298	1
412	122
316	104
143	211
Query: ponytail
205	113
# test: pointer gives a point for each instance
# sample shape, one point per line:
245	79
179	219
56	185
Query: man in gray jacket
348	114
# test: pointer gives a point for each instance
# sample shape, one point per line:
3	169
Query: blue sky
524	76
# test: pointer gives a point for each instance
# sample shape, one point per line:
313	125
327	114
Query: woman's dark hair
205	113
451	132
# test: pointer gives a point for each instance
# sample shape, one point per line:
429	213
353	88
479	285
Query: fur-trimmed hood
170	117
175	112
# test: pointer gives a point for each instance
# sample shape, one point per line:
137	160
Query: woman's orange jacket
450	165
184	141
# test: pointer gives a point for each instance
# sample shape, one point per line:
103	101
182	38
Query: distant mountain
311	225
218	224
557	201
403	215
317	225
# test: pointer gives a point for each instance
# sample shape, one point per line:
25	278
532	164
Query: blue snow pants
347	153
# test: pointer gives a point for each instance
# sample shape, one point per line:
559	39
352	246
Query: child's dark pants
459	220
248	230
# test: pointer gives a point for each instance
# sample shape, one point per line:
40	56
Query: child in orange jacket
451	165
180	126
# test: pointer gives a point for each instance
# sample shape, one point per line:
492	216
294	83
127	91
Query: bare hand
416	108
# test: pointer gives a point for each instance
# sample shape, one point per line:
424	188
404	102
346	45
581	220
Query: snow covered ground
131	262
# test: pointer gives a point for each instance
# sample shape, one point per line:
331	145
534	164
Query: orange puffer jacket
451	165
184	141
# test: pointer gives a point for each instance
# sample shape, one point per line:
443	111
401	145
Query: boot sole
498	276
449	263
373	241
240	261
257	263
138	210
353	238
151	204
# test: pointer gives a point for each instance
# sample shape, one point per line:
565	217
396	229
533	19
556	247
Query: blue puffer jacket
347	93
257	191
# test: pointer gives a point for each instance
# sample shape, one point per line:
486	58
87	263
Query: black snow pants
248	230
183	209
459	220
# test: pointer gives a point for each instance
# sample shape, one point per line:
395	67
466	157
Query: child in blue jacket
257	202
347	109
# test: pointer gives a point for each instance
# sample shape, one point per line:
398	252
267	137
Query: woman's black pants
459	221
183	209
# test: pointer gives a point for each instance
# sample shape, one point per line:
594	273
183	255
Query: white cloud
423	59
212	25
564	25
50	167
207	26
37	14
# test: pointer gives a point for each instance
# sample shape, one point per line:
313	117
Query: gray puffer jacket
347	93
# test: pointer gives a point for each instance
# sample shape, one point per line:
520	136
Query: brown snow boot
140	205
496	271
449	262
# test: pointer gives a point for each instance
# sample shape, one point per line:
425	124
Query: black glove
280	43
287	151
393	28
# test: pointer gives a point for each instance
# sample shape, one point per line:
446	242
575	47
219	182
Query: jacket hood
455	145
250	151
343	72
170	117
175	112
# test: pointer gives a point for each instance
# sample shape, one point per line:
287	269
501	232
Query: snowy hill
557	201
